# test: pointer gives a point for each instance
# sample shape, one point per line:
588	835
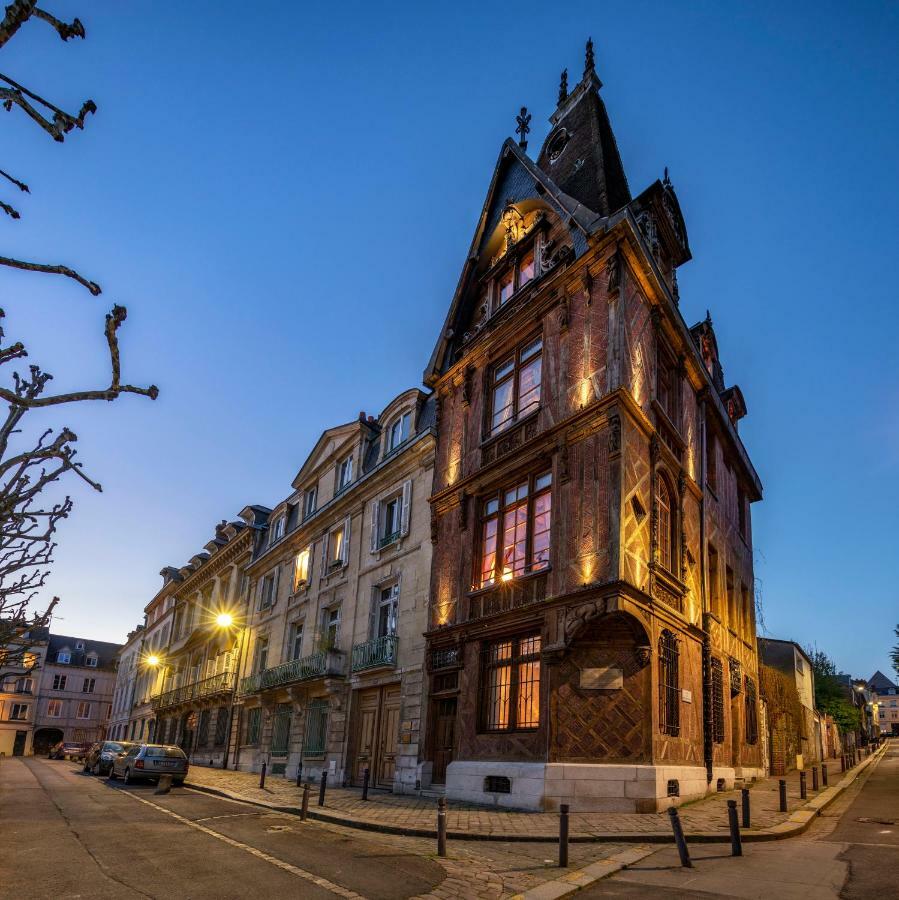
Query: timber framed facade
592	633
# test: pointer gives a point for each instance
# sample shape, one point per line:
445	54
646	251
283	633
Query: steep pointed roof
880	684
580	153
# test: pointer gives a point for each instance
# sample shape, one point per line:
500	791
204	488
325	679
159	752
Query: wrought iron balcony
377	652
215	684
325	662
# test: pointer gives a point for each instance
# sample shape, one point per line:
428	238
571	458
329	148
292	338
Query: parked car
69	750
150	761
98	760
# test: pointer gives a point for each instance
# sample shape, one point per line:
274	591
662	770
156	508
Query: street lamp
224	620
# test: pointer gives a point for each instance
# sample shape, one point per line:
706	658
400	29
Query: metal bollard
824	774
299	775
745	793
814	778
842	762
563	835
782	786
441	826
366	775
803	791
262	775
736	845
321	790
304	809
679	838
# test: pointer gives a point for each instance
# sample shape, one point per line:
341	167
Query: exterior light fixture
153	660
224	620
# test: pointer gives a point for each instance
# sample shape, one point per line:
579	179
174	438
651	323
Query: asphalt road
851	852
66	834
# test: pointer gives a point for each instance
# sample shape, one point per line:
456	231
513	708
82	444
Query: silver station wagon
143	761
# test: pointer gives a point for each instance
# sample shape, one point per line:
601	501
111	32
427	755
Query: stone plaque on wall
604	679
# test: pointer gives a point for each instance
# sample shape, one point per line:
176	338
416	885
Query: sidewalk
703	820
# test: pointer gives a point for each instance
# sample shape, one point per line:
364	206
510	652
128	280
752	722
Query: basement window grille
752	715
497	784
717	702
673	787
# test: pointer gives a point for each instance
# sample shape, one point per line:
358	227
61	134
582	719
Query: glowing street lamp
153	660
224	620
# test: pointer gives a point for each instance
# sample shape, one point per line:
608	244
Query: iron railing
377	652
215	684
325	662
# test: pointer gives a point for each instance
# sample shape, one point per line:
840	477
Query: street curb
798	821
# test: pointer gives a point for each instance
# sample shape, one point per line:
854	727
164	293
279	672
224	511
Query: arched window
666	523
669	684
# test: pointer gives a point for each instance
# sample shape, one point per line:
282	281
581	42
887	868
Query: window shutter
375	515
373	614
346	541
275	584
407	498
326	539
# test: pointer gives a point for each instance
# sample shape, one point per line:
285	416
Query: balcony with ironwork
223	683
317	665
374	654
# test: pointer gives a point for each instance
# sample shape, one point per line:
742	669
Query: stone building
208	600
333	676
884	704
126	664
592	634
20	668
75	690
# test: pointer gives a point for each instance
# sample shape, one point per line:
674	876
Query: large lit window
398	431
511	684
515	386
301	568
515	530
337	546
669	684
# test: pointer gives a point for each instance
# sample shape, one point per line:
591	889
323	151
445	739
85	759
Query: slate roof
105	651
880	684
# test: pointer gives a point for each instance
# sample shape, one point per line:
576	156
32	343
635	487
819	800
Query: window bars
669	684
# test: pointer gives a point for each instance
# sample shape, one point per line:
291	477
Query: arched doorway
45	738
601	709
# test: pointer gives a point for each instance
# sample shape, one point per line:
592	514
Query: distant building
77	681
20	672
123	692
884	703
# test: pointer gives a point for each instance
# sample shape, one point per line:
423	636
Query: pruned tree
30	463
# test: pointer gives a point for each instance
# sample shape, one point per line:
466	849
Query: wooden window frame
518	365
515	661
667	533
502	507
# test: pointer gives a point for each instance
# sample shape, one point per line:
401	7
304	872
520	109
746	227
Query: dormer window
278	529
64	656
79	645
505	287
345	473
399	431
516	277
92	661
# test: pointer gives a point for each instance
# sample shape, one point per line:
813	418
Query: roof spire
666	180
590	60
563	87
524	126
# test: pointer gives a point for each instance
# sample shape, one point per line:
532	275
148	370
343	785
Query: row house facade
592	631
127	661
194	704
20	668
339	598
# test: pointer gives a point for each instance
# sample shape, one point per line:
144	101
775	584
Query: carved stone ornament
577	617
438	411
643	654
614	434
654	447
563	313
614	269
587	282
463	510
564	474
467	382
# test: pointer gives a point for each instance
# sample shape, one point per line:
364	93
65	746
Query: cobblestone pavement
708	815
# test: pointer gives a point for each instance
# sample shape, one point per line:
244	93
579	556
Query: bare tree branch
19	184
92	286
65	31
17	13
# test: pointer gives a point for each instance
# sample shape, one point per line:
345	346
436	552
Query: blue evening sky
282	194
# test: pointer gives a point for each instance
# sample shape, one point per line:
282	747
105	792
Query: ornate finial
666	180
590	61
563	87
524	126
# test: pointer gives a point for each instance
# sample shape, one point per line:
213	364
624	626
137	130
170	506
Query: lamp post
243	639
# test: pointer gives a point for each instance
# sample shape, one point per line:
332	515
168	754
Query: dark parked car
150	761
99	758
69	750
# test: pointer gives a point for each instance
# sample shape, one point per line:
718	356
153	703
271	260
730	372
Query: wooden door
368	729
444	738
388	734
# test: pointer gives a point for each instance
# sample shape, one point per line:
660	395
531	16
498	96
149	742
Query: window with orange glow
515	387
511	685
526	269
505	287
515	530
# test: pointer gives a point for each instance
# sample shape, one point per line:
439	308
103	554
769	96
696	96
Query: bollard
262	775
365	777
164	785
304	809
300	775
814	778
782	785
736	846
745	793
563	835
679	838
803	791
824	774
842	762
321	790
441	826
